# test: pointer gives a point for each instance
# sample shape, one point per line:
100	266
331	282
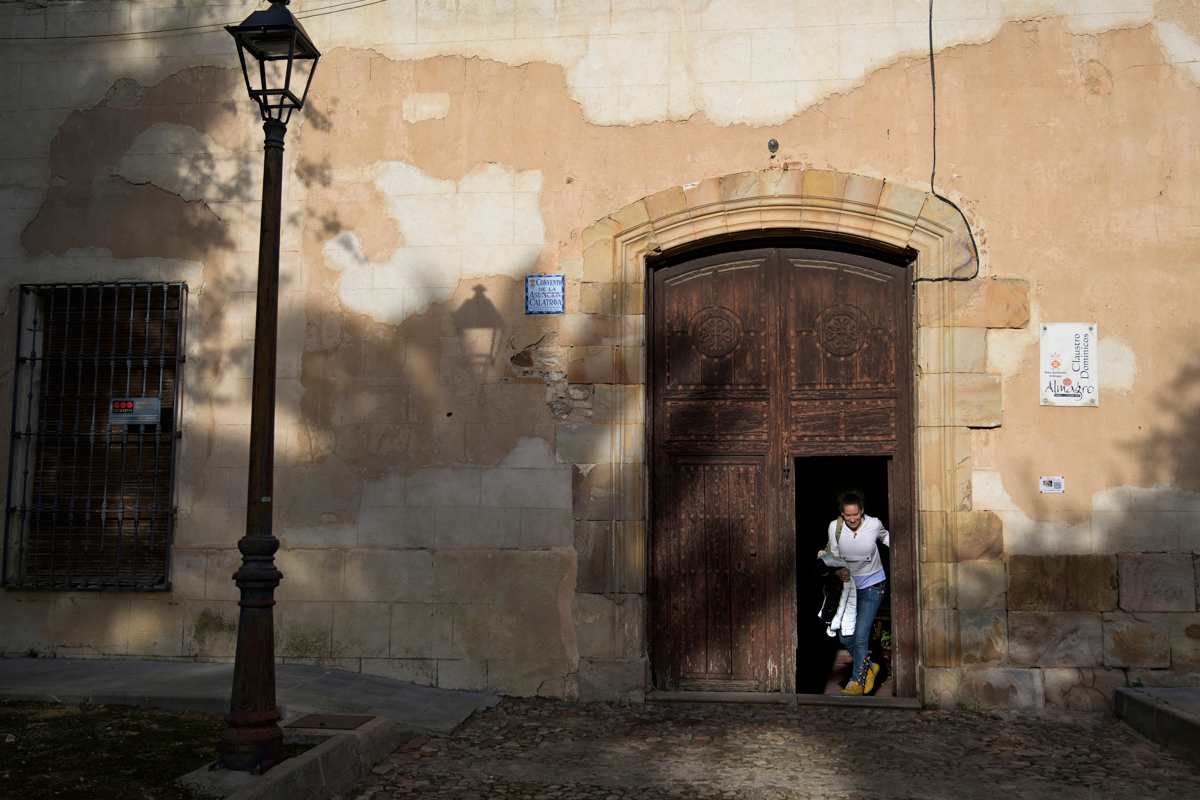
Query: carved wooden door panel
847	364
841	337
758	357
715	558
720	534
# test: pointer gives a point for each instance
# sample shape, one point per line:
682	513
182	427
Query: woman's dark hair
851	497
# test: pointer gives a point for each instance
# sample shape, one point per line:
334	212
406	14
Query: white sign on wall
1069	364
1052	484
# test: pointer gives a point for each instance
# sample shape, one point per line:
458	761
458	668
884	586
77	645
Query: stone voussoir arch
815	200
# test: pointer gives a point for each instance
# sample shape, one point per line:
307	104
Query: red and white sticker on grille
135	411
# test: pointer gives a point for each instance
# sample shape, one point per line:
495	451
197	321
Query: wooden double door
759	357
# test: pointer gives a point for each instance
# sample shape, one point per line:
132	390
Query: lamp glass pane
276	72
269	44
302	69
254	74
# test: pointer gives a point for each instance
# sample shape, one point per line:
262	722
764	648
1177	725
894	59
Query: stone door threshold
777	698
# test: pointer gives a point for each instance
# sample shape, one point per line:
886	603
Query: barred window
95	419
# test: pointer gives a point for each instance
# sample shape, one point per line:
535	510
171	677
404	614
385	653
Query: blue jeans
869	600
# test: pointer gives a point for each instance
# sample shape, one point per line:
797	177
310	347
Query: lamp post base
252	741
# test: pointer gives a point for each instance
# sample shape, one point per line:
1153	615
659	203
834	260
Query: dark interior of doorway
819	481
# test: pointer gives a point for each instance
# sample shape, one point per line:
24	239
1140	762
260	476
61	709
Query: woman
854	537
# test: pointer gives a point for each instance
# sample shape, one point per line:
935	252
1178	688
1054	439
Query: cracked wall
459	484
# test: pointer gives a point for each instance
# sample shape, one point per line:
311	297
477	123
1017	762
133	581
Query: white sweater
846	614
860	548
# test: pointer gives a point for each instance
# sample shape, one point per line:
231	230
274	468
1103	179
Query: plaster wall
460	486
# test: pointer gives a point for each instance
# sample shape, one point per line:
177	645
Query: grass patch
104	752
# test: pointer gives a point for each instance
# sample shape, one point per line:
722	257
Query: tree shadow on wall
151	177
1167	450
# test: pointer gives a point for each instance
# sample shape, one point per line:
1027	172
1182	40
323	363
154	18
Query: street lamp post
282	61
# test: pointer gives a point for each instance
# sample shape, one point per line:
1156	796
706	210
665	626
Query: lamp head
278	60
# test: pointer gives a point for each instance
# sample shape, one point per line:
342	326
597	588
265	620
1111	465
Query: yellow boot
853	688
869	685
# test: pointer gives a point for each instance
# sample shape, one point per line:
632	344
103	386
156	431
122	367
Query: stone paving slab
1169	716
184	685
545	750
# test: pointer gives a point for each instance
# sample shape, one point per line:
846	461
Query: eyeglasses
851	516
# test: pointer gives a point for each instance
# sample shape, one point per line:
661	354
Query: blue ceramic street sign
545	294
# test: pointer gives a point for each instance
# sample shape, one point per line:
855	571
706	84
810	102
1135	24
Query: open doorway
822	665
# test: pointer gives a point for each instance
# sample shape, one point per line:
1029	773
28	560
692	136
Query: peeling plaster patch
1181	49
488	223
988	492
425	106
738	61
1028	536
470	506
1146	498
545	359
1022	534
1007	350
959	23
749	61
185	162
1010	352
1118	365
97	264
1135	14
124	93
531	453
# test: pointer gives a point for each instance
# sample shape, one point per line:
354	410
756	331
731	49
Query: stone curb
326	771
1154	716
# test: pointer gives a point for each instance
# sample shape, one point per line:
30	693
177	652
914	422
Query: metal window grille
91	468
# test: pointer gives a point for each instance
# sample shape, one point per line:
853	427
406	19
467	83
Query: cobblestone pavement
540	749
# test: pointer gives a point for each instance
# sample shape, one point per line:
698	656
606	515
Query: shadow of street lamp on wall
479	325
278	62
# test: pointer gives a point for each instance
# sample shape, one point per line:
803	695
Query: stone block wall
462	580
1062	631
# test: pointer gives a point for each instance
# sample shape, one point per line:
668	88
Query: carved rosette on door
715	331
758	357
842	330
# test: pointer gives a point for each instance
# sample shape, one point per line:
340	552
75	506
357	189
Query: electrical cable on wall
122	36
933	168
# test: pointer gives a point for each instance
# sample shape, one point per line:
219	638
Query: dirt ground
101	752
540	750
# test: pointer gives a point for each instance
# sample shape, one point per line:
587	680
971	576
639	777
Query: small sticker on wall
1051	484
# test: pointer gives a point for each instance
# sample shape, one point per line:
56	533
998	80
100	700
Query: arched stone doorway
950	396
